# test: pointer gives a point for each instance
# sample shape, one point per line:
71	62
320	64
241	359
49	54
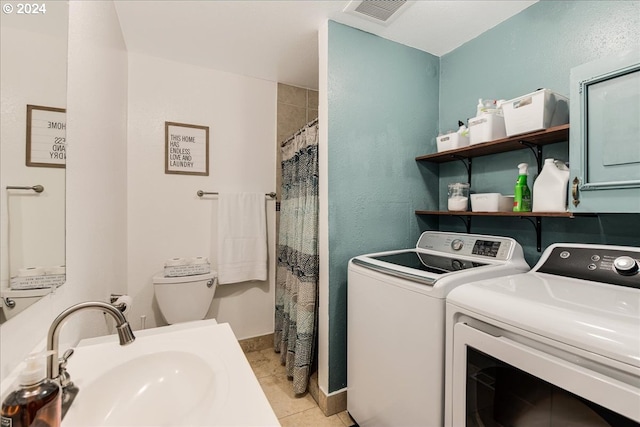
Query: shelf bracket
537	224
467	222
466	161
537	152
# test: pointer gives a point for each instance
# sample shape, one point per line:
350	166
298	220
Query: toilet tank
187	298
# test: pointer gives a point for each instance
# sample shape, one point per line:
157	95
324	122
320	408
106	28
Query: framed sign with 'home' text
186	149
46	137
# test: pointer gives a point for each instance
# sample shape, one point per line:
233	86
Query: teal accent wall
383	112
534	49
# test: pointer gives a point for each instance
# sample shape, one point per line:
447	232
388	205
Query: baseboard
329	405
262	342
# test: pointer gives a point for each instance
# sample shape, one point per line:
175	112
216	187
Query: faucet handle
65	358
64	377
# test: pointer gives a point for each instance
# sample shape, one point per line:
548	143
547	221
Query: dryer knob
457	244
625	265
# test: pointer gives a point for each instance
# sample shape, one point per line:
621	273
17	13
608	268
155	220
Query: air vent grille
381	10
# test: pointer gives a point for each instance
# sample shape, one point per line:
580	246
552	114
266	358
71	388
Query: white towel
242	237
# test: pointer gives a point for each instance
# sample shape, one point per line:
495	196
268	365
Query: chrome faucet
122	326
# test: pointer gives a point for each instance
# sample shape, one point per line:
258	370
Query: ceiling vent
382	12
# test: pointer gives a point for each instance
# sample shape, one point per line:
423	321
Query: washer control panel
493	247
597	263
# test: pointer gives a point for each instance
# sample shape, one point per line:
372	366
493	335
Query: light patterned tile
312	99
346	419
266	362
311	417
279	392
256	343
292	95
290	120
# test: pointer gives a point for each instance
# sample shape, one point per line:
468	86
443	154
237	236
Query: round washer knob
457	244
625	265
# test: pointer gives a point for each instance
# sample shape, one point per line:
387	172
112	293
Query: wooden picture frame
186	149
46	137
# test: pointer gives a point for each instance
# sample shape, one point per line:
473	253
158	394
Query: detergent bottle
522	193
550	188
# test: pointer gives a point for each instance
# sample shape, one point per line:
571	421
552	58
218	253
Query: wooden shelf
527	140
535	218
513	214
512	143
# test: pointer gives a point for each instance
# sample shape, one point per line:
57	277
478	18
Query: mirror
33	73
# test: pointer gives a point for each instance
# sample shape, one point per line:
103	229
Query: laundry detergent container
186	298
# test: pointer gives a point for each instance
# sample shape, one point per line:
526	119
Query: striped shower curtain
297	271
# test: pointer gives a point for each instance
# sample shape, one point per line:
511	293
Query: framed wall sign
46	136
186	149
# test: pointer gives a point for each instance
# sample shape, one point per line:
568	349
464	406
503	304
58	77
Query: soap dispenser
37	401
522	193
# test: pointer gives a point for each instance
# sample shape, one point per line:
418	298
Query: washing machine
558	345
396	322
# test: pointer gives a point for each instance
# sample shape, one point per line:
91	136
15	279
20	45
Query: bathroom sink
130	393
186	374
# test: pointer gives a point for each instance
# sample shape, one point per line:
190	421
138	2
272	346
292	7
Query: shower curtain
297	271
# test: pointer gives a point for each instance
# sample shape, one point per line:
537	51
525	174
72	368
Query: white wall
96	185
166	218
124	215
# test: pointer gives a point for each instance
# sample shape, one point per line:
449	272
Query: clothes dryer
558	345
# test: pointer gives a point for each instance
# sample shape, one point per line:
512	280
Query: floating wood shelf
513	214
512	143
535	218
531	140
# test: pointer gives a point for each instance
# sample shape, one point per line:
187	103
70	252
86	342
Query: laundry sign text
46	136
186	149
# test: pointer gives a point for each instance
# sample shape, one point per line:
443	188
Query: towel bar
201	193
37	188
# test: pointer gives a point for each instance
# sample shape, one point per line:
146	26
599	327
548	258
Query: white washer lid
160	279
596	317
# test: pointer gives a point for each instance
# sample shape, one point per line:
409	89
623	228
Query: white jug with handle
550	188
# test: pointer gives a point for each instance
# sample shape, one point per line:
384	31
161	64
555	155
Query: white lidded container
550	188
451	141
488	126
538	110
491	202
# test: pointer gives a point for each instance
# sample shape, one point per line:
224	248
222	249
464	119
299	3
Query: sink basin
188	374
137	386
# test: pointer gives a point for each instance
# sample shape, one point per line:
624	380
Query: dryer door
502	379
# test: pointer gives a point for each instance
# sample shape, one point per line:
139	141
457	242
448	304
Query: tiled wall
296	107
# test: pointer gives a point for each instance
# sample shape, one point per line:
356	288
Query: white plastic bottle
550	188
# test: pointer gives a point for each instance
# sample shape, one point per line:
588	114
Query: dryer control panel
597	263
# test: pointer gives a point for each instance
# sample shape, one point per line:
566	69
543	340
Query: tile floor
290	410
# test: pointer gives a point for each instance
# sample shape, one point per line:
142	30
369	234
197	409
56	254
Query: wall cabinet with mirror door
32	154
604	151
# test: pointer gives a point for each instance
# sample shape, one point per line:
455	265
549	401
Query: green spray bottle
522	194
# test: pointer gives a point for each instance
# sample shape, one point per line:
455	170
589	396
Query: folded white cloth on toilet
242	237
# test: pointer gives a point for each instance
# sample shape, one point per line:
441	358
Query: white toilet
187	298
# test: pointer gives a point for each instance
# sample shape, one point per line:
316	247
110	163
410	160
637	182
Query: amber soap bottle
37	402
